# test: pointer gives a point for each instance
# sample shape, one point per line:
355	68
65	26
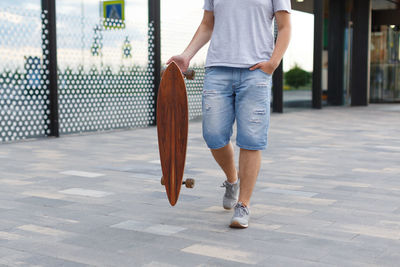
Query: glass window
385	64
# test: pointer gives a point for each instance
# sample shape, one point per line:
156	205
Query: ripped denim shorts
239	94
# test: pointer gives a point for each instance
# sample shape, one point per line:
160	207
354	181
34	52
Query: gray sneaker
231	195
241	216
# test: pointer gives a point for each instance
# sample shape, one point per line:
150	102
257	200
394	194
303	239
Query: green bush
297	77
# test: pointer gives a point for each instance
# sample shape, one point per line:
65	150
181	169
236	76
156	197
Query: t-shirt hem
225	64
233	65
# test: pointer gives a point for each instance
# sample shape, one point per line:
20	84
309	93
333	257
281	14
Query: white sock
234	182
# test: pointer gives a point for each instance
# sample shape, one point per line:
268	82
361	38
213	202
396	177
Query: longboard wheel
189	74
162	180
189	183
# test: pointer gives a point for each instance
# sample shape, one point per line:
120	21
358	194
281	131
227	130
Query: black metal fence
70	74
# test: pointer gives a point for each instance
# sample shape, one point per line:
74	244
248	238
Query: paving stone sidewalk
328	195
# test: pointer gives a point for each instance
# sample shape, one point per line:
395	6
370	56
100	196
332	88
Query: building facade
361	48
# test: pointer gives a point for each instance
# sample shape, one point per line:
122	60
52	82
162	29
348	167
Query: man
237	86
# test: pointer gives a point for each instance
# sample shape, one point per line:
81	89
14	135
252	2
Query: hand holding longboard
189	74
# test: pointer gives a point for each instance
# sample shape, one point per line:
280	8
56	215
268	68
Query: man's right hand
181	60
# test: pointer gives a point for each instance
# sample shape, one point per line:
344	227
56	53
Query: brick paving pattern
328	195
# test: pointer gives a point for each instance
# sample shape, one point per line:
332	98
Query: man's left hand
266	66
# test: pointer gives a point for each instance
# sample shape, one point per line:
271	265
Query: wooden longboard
172	129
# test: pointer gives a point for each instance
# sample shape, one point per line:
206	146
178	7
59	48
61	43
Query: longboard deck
172	129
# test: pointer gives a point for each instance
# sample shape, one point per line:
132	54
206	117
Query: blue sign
114	14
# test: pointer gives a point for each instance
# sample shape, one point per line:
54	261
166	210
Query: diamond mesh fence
24	93
194	90
177	30
105	74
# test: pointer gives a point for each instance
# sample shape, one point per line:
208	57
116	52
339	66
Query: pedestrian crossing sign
114	14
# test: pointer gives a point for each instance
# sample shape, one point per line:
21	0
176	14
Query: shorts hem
252	147
218	147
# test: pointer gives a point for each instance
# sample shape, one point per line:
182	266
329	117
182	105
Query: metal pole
337	25
318	47
50	62
277	82
361	53
155	49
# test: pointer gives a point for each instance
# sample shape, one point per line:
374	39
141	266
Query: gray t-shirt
243	31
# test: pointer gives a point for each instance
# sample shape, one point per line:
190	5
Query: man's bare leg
226	159
249	167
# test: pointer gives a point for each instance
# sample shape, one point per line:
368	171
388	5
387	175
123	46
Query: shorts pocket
264	72
208	70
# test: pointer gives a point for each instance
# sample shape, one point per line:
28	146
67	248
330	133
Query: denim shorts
239	94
